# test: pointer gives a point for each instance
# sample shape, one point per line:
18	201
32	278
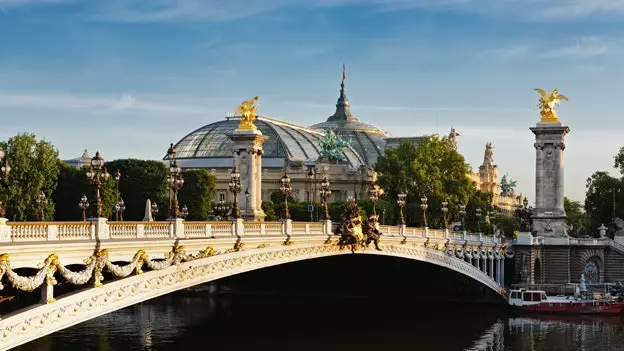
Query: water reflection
190	318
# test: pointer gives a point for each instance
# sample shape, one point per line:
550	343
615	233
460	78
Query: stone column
498	270
492	267
549	217
502	274
248	159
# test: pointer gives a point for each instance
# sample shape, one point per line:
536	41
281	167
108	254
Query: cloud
573	9
506	52
106	104
9	3
584	47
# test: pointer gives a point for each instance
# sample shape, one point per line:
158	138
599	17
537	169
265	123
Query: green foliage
197	193
269	210
507	224
72	184
599	200
430	169
34	169
483	201
141	180
577	220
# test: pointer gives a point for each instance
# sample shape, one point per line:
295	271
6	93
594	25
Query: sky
128	77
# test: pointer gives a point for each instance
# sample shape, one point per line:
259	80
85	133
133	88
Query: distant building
79	162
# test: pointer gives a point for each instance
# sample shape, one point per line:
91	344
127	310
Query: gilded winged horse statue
547	104
247	111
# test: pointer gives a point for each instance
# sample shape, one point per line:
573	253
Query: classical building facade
486	180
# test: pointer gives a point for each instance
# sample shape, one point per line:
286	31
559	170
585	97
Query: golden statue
547	104
247	112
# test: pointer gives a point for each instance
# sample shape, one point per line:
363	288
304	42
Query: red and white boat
523	300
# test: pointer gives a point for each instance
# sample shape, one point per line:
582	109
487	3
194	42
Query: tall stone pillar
248	159
549	217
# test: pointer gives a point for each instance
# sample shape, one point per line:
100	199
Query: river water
194	319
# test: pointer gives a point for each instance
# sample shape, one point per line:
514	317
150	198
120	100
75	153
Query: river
193	319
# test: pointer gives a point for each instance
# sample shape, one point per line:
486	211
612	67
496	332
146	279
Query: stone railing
100	228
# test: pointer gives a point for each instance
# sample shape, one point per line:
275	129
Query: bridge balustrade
72	231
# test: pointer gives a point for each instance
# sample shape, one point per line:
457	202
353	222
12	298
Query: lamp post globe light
325	193
117	178
286	191
120	207
445	213
235	188
41	202
374	193
98	175
154	210
462	213
424	207
478	214
401	203
84	205
4	174
185	212
221	210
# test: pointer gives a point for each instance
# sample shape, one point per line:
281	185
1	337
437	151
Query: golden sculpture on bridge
247	111
547	104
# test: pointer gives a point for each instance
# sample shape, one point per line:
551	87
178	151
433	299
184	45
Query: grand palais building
295	149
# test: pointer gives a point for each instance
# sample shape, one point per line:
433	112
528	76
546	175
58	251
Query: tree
197	193
72	185
576	217
432	169
602	200
141	180
34	170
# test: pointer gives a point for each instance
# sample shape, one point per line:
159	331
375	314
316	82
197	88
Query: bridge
178	254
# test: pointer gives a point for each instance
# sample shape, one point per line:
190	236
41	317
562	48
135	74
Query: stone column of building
248	159
491	267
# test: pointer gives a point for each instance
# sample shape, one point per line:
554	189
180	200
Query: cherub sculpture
547	104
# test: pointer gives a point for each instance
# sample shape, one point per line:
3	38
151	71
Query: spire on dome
343	111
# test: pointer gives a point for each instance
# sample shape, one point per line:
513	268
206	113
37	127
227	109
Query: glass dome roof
285	141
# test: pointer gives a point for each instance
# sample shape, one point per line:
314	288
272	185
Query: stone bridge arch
86	304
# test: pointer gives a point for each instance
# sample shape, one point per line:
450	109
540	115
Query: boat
525	301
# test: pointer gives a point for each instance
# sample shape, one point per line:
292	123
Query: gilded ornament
547	104
247	111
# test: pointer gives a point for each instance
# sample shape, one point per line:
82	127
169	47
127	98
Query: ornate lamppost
221	210
120	207
175	184
235	188
286	191
84	205
185	212
445	212
424	207
41	202
325	193
462	213
4	174
154	210
401	203
97	175
478	214
524	214
117	177
375	192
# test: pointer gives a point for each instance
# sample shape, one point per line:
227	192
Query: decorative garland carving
94	267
